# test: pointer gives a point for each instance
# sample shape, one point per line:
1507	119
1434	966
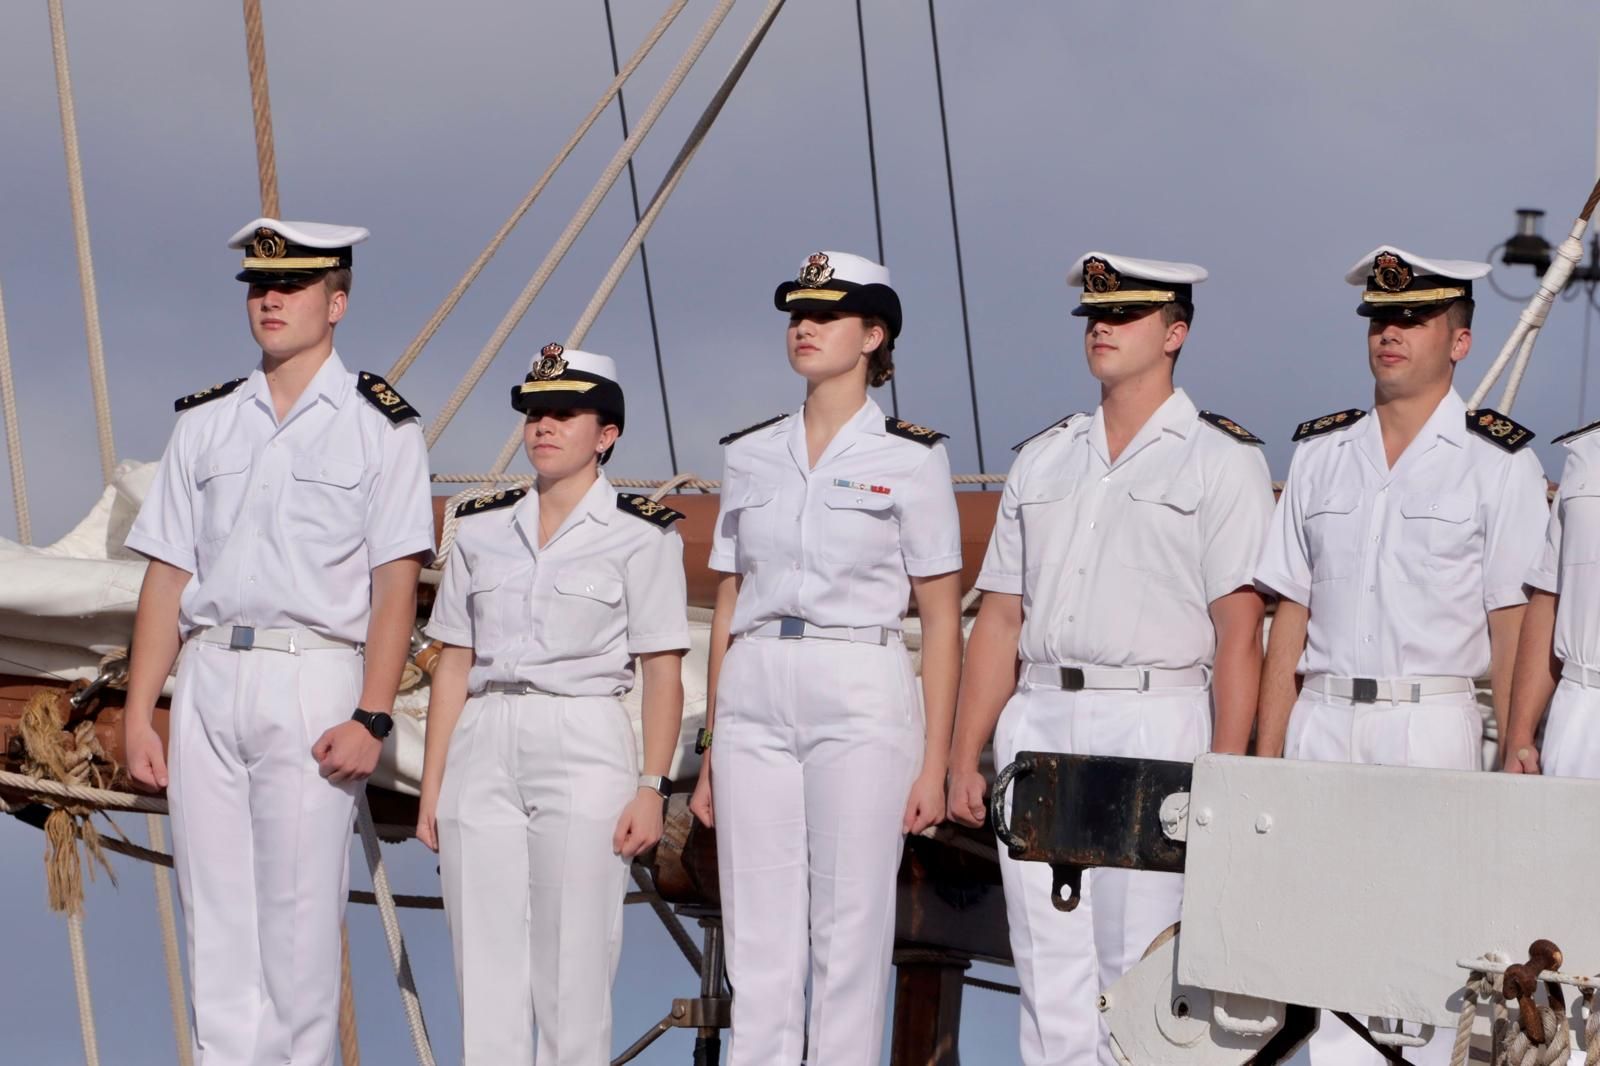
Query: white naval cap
840	281
1400	284
562	378
1121	284
276	250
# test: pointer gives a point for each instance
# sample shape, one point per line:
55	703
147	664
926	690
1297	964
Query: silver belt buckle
1072	679
791	628
243	638
1363	690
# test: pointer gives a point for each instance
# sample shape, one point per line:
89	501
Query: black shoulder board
1496	428
912	431
1328	423
736	434
493	501
215	392
1580	431
380	394
646	508
1024	442
1230	427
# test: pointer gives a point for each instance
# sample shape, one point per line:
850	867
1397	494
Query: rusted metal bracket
1076	812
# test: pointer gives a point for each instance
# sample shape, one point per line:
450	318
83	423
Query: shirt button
1367	639
588	588
1072	618
1091	525
1372	588
1080	571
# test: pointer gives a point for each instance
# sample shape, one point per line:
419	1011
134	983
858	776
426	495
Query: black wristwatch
702	742
377	723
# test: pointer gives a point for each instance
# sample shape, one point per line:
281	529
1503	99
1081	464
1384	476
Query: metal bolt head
1263	823
1203	816
1104	1003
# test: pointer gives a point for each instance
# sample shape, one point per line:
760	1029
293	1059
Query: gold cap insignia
268	245
1099	277
550	364
1390	272
816	271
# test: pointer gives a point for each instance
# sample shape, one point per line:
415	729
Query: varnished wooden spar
977	511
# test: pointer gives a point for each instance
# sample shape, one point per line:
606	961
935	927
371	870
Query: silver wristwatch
657	782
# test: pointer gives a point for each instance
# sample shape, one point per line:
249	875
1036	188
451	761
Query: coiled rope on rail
8	407
675	173
414	349
575	226
80	236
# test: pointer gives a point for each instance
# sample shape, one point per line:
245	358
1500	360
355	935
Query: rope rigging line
955	233
80	237
176	996
644	257
391	933
8	404
414	349
575	226
872	169
658	201
255	46
80	982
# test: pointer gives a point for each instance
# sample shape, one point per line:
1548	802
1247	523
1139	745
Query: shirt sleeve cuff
722	562
939	564
377	555
1494	599
161	550
1543	580
461	638
990	581
1283	587
676	640
1217	589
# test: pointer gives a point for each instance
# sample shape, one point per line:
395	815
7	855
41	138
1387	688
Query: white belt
513	688
1130	678
249	638
1587	676
1392	690
800	629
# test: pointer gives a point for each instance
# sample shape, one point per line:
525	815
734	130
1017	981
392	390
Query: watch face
382	725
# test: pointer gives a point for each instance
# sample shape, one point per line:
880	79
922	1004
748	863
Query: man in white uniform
1120	569
1559	653
285	529
1398	551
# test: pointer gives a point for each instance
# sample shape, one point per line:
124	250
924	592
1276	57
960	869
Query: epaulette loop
911	431
491	502
380	394
650	510
1498	429
1230	427
215	392
1025	441
736	434
1328	423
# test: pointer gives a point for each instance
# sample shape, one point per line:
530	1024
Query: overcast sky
1273	143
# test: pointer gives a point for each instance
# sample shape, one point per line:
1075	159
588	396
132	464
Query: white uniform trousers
1443	732
817	743
533	787
1065	960
261	845
1572	733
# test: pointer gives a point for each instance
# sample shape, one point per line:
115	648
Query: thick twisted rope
255	46
420	341
575	226
675	172
8	406
98	797
391	933
169	944
80	982
80	236
349	1034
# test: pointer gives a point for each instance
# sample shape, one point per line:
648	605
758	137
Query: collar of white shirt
599	503
331	382
869	421
1447	423
1176	415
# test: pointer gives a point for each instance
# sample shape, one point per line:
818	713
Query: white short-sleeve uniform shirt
1400	567
569	617
1117	563
282	523
1569	564
837	545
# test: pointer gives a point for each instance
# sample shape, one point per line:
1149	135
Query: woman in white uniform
531	785
824	754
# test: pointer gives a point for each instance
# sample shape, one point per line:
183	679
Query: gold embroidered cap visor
572	390
1425	294
1133	297
842	297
